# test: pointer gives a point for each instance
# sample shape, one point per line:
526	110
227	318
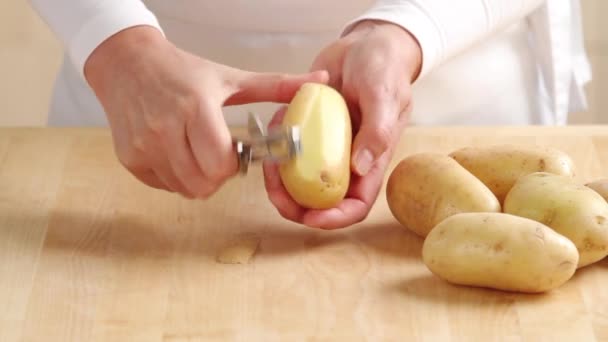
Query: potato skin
499	251
600	186
570	208
425	188
320	176
499	166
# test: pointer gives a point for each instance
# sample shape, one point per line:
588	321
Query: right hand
164	107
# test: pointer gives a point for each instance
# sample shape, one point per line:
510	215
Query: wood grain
87	253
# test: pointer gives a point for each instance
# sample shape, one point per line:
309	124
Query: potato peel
240	250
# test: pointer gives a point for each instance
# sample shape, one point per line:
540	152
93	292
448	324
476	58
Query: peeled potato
320	176
600	186
499	251
425	188
570	208
499	166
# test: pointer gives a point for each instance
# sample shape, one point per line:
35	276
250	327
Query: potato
600	186
568	207
425	188
499	251
499	166
320	176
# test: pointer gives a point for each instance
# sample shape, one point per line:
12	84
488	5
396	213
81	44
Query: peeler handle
278	145
244	155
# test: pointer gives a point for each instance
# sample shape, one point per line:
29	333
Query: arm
163	104
444	28
380	54
83	25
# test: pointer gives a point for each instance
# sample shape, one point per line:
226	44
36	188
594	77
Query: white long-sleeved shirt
443	28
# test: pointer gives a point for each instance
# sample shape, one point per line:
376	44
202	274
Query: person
170	77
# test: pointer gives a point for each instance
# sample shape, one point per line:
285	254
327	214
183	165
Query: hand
164	107
373	66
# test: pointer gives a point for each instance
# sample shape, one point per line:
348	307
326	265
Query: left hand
373	67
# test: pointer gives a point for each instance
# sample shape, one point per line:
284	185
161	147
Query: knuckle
378	59
233	82
187	195
156	126
190	106
382	137
364	216
404	114
218	174
279	85
196	185
203	194
205	191
138	144
281	78
284	215
383	92
130	161
185	108
222	167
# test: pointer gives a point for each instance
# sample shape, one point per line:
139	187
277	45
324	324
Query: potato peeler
278	145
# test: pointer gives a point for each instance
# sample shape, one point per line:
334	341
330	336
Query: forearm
444	28
83	25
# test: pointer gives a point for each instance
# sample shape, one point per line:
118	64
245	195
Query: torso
490	84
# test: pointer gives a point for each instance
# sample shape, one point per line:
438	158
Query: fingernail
363	162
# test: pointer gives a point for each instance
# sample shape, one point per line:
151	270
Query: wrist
396	34
123	47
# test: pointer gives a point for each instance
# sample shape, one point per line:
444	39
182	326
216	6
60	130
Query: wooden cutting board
89	254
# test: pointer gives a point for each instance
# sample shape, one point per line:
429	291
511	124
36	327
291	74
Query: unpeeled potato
499	166
570	208
499	251
320	176
425	188
600	186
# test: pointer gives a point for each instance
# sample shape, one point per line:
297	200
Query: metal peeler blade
277	145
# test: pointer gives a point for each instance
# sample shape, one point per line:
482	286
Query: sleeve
82	25
444	28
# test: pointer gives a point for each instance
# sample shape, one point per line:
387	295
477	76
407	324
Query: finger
362	194
355	117
150	150
132	158
184	164
334	70
278	195
332	60
250	87
128	156
150	179
165	174
277	119
350	211
366	188
211	144
380	124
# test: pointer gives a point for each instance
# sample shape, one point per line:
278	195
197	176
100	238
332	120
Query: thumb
253	87
379	125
